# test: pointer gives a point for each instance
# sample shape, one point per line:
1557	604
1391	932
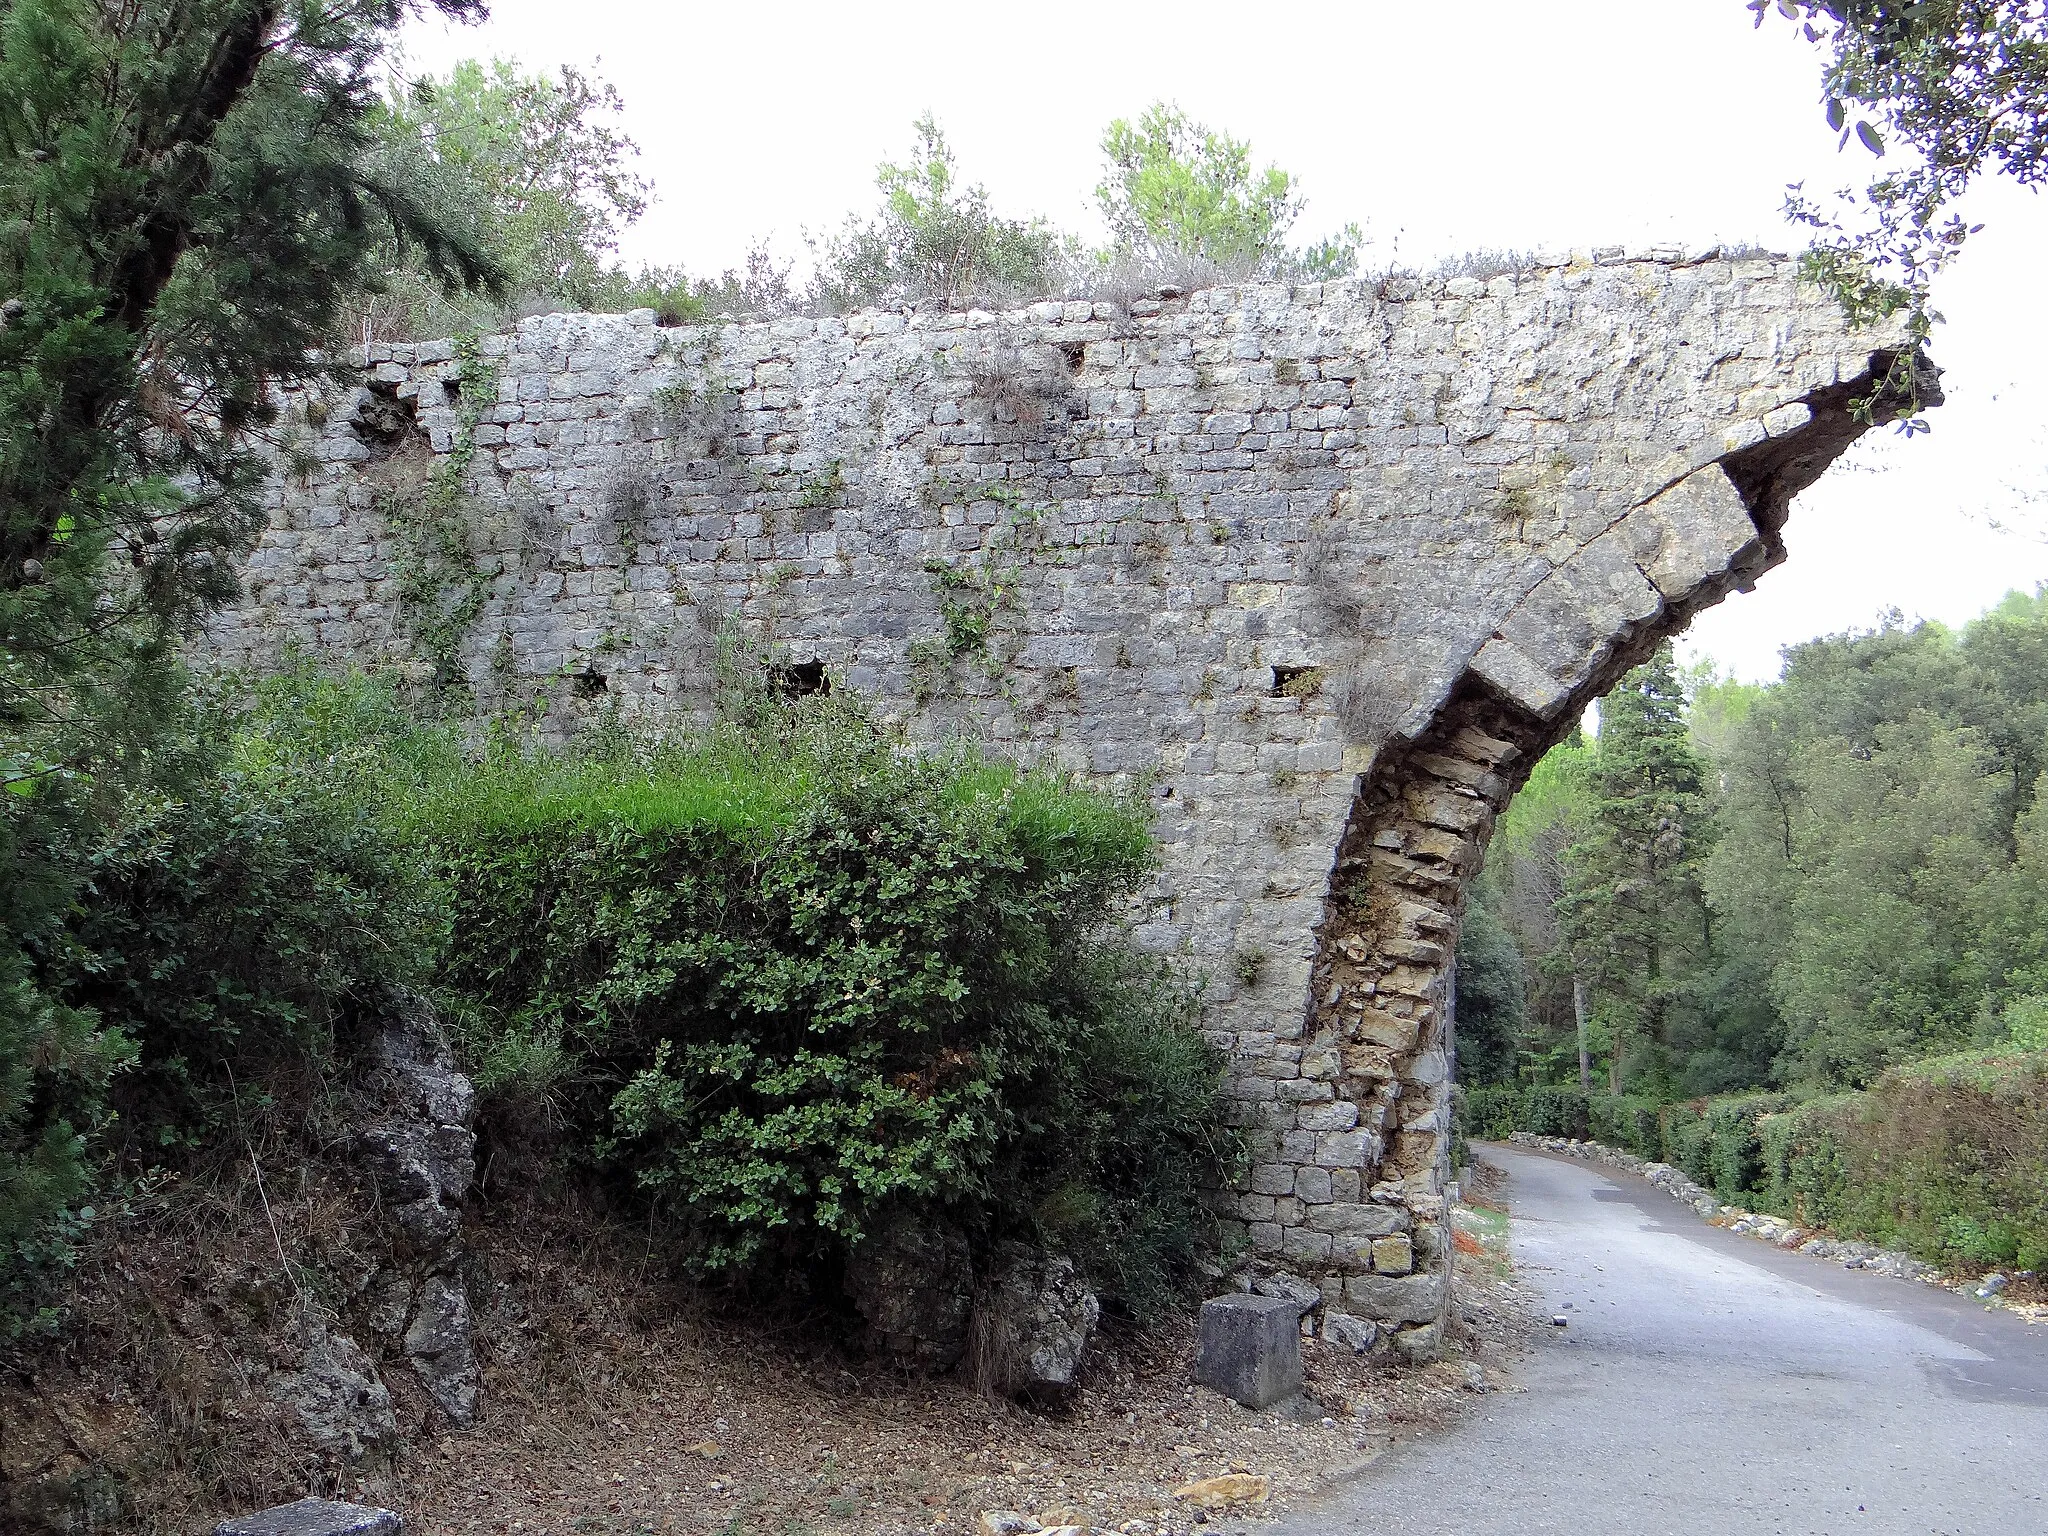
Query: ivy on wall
442	582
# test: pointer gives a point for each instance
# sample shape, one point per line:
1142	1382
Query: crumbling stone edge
1380	1018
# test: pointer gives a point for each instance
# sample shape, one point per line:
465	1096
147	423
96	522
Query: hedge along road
1709	1383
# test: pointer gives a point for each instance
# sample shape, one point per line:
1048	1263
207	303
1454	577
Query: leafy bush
1734	1153
1689	1142
1490	1113
1130	1145
936	240
1633	1124
2026	1021
1175	190
241	916
213	923
1555	1112
1949	1159
782	982
1805	1172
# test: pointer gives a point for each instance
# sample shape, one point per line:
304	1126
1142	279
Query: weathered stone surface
915	1286
1302	559
419	1142
1033	1319
1226	1491
1357	1334
1393	1255
1306	1297
1398	1299
314	1517
415	1135
439	1343
1250	1348
1418	1344
335	1393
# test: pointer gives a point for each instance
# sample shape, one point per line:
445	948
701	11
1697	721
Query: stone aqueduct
1323	568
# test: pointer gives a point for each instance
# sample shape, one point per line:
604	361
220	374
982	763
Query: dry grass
176	1314
620	1402
617	1399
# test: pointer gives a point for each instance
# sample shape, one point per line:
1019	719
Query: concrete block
1250	1349
314	1517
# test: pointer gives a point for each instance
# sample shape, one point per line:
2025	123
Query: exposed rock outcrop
1032	1320
914	1283
417	1140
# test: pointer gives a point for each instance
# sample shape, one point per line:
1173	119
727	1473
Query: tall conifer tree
1633	914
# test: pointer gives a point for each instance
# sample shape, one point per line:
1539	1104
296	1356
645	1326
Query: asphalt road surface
1709	1384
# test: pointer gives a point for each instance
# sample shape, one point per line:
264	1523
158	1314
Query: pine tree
1633	914
187	189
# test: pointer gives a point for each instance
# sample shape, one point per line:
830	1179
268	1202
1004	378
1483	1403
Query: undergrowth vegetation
782	982
1945	1158
763	985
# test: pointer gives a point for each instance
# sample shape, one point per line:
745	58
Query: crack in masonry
1380	1025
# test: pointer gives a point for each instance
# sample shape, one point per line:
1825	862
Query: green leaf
1872	141
1836	115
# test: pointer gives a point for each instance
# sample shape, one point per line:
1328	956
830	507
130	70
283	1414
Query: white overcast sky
1440	127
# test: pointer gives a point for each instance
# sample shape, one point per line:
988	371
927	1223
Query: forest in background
1791	885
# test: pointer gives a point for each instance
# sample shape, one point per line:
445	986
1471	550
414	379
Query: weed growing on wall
442	585
824	489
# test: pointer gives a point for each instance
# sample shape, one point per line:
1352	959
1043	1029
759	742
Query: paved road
1710	1384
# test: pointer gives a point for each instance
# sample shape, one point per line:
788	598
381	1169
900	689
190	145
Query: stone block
1357	1334
314	1517
1250	1349
1312	1186
1416	1345
1402	1299
1357	1223
1305	1243
1393	1255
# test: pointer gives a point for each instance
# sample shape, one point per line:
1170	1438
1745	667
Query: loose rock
1031	1323
1213	1493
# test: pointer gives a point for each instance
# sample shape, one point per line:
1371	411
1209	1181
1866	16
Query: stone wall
1323	569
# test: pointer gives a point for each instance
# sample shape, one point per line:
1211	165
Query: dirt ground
617	1401
706	1426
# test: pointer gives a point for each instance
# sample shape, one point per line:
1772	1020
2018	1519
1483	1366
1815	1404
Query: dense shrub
1633	1124
780	982
1734	1153
1805	1173
1555	1112
1489	1113
1947	1158
241	918
1499	1110
209	927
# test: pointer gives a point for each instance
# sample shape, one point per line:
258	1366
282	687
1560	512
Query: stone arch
1327	565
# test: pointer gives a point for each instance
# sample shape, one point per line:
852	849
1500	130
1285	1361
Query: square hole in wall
1297	681
798	679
